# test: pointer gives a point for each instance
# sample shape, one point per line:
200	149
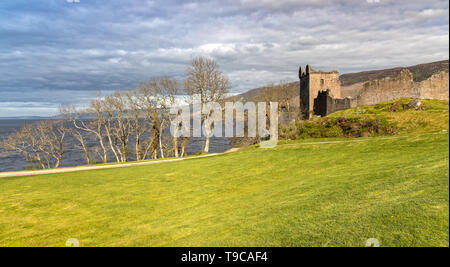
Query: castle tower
311	82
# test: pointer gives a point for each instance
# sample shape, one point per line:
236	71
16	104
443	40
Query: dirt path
97	167
234	149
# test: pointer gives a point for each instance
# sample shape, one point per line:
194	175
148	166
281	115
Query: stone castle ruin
321	94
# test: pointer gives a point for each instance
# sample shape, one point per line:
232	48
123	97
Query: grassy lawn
336	194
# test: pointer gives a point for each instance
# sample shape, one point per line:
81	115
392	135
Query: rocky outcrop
415	104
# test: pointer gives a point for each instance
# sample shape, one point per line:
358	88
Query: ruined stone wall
436	87
325	103
386	89
373	92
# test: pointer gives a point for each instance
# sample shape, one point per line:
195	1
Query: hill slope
432	117
421	72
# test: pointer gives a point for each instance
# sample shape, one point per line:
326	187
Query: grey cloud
56	52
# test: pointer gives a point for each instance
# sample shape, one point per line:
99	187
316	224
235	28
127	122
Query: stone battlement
311	83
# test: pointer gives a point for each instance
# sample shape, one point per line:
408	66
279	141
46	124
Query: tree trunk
138	148
102	145
208	130
86	155
175	142
123	150
155	139
38	159
146	150
86	151
206	149
122	155
161	146
111	144
184	145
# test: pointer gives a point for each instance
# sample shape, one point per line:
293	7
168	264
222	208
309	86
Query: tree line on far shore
131	123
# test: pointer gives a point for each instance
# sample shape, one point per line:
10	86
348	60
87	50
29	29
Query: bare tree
71	115
118	125
204	78
92	123
268	94
156	97
96	125
24	141
41	143
160	96
167	91
52	136
150	107
285	95
136	111
184	145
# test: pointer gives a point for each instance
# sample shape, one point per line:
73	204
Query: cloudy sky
55	52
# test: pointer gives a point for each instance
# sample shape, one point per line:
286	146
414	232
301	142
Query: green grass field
394	189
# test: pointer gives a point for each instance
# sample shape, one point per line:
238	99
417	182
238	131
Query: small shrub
338	127
396	107
335	131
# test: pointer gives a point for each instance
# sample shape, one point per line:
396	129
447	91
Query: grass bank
387	118
298	194
433	115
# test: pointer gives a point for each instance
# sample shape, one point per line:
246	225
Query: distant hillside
56	117
24	118
352	82
256	94
421	72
